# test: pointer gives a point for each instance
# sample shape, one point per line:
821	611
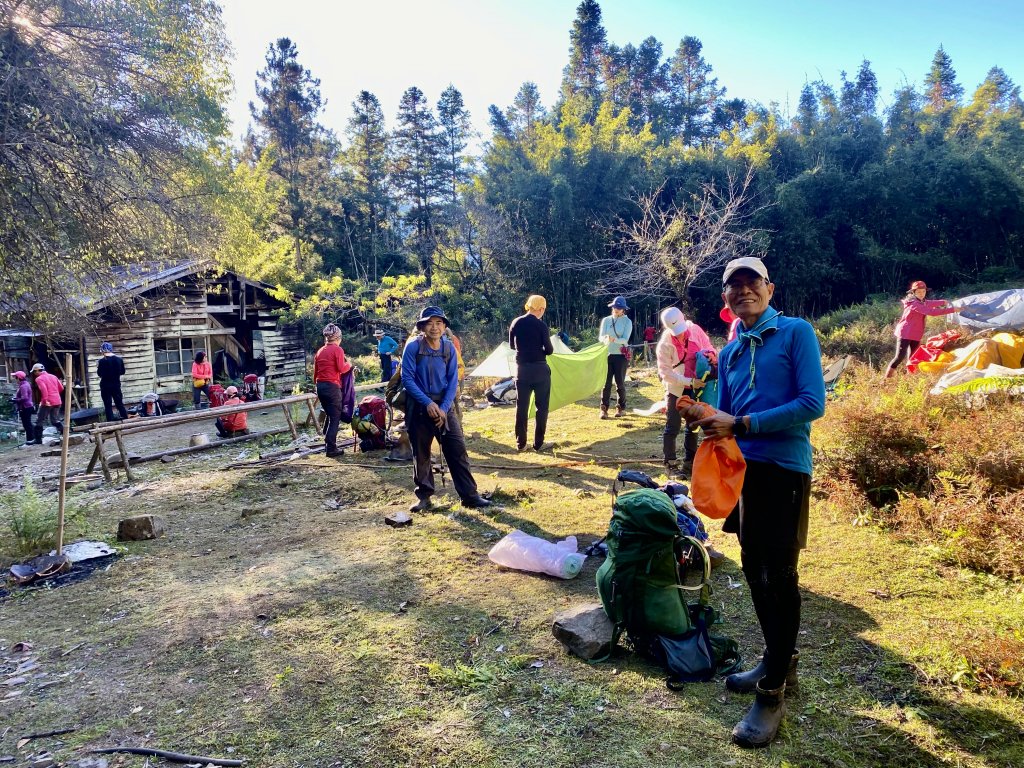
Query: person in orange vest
232	424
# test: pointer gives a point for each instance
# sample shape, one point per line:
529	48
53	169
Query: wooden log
313	419
211	444
146	424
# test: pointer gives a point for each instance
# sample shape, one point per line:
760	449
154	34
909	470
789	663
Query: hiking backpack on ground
643	590
370	421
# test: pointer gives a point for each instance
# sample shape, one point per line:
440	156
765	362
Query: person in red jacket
910	327
50	388
232	424
332	376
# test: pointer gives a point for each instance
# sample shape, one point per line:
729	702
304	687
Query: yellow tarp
940	363
978	354
1011	349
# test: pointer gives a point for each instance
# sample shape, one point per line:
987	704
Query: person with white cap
50	388
615	332
770	389
232	424
680	344
332	377
386	347
110	369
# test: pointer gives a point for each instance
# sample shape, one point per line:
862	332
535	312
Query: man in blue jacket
386	347
430	375
770	390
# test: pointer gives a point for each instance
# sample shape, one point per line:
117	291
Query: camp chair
833	373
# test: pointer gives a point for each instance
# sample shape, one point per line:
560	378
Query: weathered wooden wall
182	310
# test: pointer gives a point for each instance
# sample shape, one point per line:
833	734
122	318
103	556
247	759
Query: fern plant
1013	385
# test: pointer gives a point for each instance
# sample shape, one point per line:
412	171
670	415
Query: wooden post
291	422
124	455
313	419
65	435
103	457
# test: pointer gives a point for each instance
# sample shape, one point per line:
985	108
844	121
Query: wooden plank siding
183	310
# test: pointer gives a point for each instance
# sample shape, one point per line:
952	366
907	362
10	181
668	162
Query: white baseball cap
675	321
752	263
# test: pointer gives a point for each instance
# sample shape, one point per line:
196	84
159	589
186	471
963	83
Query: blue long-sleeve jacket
787	393
426	376
386	346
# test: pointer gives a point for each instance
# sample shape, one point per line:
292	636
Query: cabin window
174	356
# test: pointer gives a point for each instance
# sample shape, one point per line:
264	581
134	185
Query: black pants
111	396
616	371
905	348
385	367
223	431
535	379
771	523
26	423
196	398
673	423
48	415
422	433
330	398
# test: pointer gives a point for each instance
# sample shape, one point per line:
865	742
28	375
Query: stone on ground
584	630
141	528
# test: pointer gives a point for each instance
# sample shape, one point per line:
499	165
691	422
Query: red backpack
370	422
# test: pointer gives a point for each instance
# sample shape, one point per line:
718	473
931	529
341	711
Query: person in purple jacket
910	328
23	403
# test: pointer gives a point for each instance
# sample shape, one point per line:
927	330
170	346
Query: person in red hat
910	327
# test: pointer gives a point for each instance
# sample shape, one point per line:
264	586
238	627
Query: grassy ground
281	621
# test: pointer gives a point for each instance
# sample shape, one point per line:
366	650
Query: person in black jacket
530	338
110	369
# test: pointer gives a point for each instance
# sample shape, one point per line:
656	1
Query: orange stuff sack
718	470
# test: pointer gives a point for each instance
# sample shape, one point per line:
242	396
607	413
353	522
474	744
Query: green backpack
643	593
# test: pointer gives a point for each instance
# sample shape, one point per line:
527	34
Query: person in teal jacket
770	389
615	332
386	347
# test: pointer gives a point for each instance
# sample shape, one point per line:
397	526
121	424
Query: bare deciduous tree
667	249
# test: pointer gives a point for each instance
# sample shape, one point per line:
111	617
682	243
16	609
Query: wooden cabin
157	318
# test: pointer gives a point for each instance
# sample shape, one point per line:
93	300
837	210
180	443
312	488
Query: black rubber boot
761	723
746	682
38	436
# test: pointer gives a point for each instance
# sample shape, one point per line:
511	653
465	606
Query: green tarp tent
577	375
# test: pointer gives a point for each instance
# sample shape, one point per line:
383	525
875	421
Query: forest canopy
641	178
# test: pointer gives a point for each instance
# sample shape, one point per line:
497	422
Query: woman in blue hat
615	332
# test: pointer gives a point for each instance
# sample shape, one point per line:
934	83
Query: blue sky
762	51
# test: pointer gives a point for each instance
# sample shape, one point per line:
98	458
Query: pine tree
693	93
417	172
526	111
367	158
806	112
582	80
290	97
941	89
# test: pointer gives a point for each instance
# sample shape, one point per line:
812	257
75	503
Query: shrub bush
31	519
933	469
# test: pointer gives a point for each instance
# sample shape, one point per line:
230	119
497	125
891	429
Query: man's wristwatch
739	427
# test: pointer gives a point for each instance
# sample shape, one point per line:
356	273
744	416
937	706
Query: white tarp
501	363
998	310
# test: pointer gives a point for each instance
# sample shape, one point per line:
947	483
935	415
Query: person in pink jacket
677	351
910	327
202	377
50	388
